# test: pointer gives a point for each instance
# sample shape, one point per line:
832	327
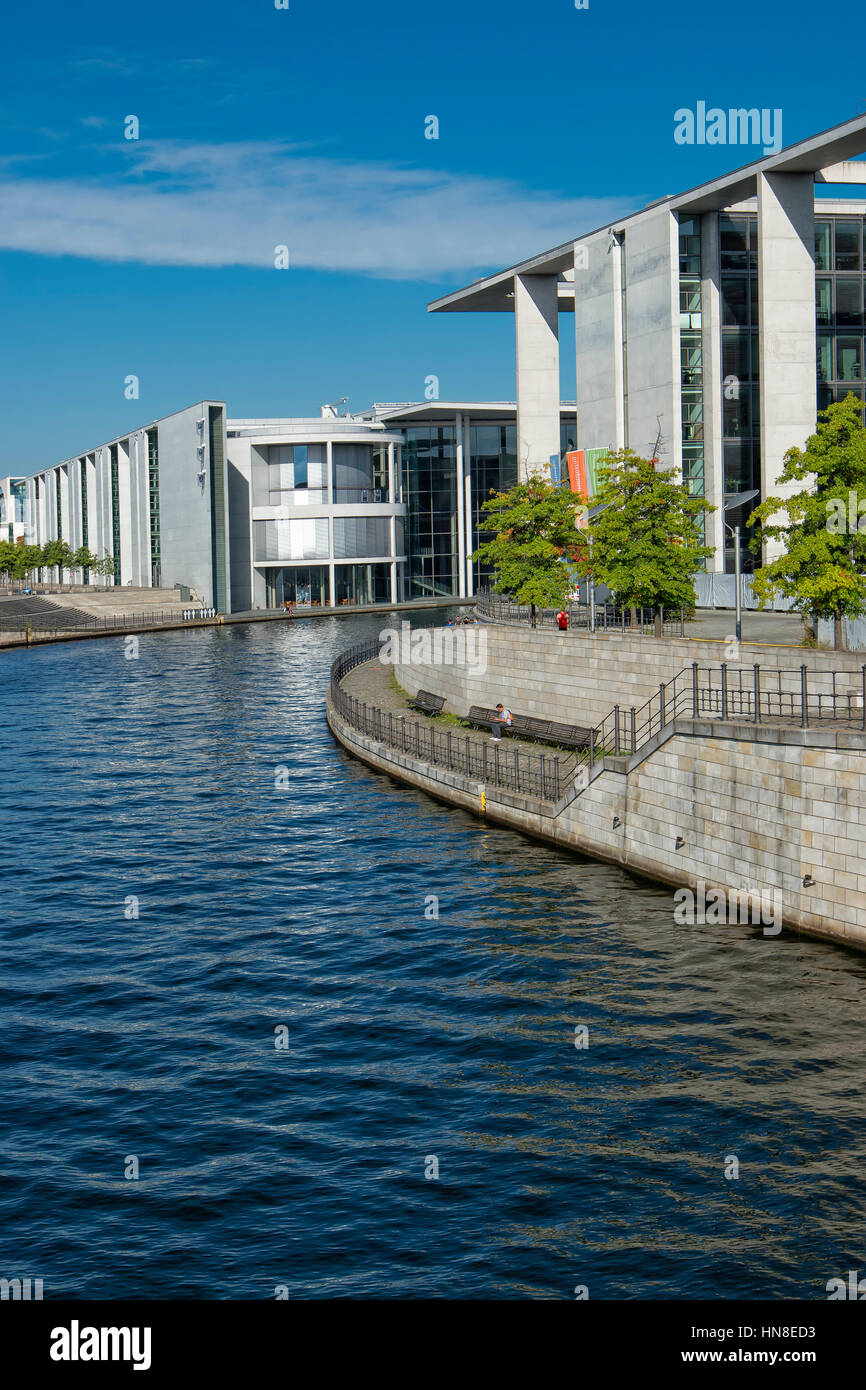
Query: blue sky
305	127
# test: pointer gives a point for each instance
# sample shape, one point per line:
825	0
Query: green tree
534	542
57	555
8	555
104	567
27	559
820	524
646	540
84	559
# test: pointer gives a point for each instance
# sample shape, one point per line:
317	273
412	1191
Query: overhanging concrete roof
492	293
479	410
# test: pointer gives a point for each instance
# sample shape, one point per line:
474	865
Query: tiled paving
373	684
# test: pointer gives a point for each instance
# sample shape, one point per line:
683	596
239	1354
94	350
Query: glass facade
58	493
115	511
839	307
82	482
741	427
153	505
360	473
691	355
430	490
362	584
215	436
303	586
494	469
82	479
296	475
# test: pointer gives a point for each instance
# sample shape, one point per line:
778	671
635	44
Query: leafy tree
57	555
84	559
534	542
104	567
27	559
8	557
646	542
821	524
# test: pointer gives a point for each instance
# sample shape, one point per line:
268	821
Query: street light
738	499
590	515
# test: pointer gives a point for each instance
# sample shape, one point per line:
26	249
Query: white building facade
246	513
714	324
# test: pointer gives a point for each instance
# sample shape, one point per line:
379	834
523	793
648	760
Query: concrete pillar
536	316
786	312
461	505
711	356
620	384
467	503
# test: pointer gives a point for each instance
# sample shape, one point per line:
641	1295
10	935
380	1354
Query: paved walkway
374	684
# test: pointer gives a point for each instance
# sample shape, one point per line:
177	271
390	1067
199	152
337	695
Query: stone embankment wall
735	806
579	678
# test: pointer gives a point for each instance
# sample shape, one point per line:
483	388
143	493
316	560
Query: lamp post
590	515
738	624
732	500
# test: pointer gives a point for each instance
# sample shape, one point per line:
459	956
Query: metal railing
607	616
498	763
753	694
79	621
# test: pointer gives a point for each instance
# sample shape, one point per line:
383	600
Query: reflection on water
410	1037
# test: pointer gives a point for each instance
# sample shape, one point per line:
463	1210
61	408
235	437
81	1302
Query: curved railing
543	776
603	617
756	694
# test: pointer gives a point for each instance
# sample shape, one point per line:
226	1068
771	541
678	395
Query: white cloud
219	205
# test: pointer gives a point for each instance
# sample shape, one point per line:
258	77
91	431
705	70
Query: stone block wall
578	679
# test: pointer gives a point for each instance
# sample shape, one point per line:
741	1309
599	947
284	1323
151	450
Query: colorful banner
583	470
576	462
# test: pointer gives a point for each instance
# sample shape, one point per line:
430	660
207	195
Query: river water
280	885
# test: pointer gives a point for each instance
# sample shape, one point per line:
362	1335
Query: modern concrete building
315	512
722	317
455	453
247	513
154	500
13	502
251	513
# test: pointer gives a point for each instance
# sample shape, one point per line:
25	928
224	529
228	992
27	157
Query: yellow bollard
483	802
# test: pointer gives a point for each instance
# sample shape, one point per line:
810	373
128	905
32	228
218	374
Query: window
848	359
825	357
735	355
734	241
849	301
822	246
823	301
735	301
300	459
847	245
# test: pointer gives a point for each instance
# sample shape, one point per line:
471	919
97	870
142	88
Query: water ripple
168	910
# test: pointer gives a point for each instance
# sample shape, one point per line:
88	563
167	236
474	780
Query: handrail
607	616
93	622
530	774
718	693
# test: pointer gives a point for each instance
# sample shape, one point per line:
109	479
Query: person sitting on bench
503	716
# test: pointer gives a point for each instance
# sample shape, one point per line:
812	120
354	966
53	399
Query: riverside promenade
78	614
747	776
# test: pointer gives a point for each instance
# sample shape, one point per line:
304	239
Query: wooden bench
488	719
427	703
528	727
